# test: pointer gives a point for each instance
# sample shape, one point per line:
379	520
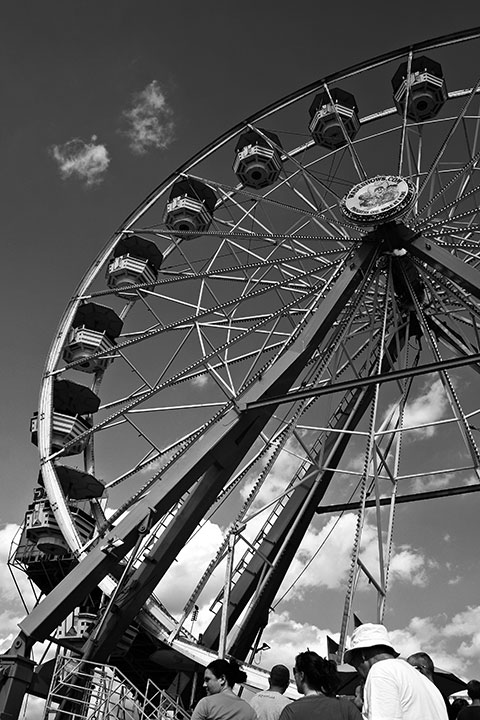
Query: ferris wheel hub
380	199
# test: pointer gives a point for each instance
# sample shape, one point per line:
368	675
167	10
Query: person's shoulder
388	666
469	713
294	709
352	712
201	708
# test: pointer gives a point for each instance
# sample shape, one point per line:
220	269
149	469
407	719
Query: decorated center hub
379	199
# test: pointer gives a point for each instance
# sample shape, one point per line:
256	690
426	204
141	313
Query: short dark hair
320	674
473	689
427	662
230	670
279	676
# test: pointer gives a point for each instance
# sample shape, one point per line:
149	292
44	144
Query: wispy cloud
87	161
455	580
200	381
149	120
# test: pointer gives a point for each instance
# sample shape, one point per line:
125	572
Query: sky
101	101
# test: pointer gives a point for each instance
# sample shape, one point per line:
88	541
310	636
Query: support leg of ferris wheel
353	575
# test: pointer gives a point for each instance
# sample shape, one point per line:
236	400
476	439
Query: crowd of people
389	687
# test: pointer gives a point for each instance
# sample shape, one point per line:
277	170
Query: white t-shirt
394	690
268	704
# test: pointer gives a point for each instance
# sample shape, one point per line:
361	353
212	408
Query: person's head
457	705
312	672
221	675
423	663
473	689
279	678
369	644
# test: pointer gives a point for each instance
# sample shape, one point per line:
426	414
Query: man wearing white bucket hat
394	690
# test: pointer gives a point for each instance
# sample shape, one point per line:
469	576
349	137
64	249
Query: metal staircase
89	691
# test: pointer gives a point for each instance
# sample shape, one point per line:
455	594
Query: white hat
368	635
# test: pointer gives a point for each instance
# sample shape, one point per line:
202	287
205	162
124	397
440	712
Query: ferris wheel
247	348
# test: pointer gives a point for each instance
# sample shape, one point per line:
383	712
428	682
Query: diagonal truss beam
449	265
208	464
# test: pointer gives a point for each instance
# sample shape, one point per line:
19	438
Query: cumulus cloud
149	120
436	635
12	609
428	407
288	637
179	581
440	638
87	161
330	567
410	566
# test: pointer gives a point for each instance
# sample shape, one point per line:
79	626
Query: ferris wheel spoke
350	145
448	138
466	172
149	458
141	397
311	180
330	224
193	318
403	135
451	206
266	200
226	387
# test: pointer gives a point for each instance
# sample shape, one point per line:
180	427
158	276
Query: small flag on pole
332	649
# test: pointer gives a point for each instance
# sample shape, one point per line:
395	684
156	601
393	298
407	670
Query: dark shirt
313	707
469	713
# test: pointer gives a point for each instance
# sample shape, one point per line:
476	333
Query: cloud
149	120
464	623
87	161
283	470
440	638
435	635
178	583
424	483
411	567
455	580
33	708
330	567
288	637
200	381
12	610
428	407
